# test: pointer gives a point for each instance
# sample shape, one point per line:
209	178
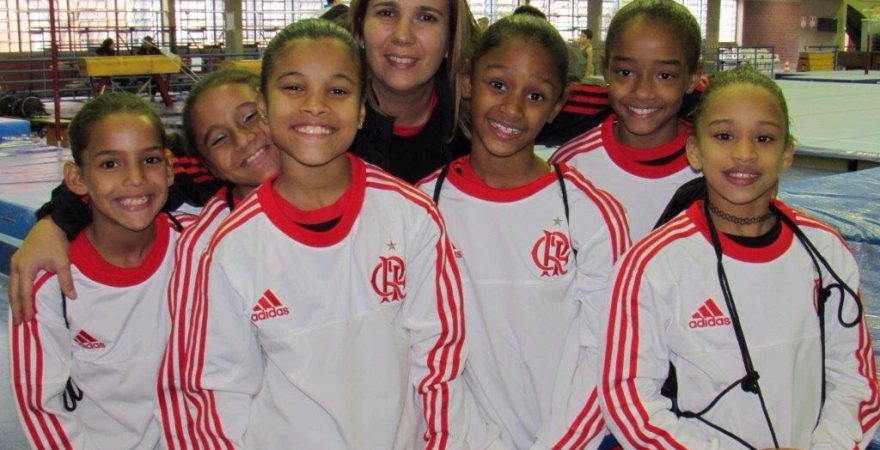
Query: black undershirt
321	226
761	241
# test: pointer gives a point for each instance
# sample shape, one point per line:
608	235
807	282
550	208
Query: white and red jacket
352	337
536	303
666	306
109	350
643	179
177	411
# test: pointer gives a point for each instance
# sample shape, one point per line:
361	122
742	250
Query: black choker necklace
740	220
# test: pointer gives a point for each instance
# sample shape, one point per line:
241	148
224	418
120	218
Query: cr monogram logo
550	253
389	279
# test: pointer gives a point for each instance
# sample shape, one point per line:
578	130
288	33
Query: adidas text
269	314
91	345
710	322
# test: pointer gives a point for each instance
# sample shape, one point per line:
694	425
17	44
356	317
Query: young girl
223	126
329	307
652	53
83	372
538	243
770	350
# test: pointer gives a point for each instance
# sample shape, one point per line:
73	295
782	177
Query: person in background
585	45
335	11
482	24
148	47
107	48
415	50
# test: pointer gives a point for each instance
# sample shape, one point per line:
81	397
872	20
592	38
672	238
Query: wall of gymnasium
777	23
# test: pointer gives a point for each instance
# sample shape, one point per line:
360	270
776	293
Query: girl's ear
362	115
73	178
788	155
169	166
465	81
559	105
692	149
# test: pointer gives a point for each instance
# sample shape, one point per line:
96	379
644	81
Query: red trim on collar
739	252
462	176
633	159
288	218
86	258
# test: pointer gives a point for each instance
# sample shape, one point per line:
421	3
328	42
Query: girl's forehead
308	54
317	45
228	91
643	28
755	101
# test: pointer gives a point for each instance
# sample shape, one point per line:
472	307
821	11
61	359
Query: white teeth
134	201
642	111
743	175
254	156
314	129
401	60
504	129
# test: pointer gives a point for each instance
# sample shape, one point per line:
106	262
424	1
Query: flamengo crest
389	279
551	252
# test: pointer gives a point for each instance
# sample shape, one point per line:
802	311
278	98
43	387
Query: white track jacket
349	338
667	307
537	303
110	350
643	179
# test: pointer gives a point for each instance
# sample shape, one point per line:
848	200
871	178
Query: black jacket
412	158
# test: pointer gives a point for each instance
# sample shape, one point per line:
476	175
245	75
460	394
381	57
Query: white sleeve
41	358
434	319
576	421
634	365
225	362
852	406
176	419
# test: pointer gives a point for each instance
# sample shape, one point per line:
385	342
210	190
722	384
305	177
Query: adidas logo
87	341
268	307
709	315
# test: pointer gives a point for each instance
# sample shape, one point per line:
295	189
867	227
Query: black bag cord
445	171
72	393
564	201
749	382
437	187
824	292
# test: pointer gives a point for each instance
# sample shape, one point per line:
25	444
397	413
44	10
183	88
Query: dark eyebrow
665	62
502	67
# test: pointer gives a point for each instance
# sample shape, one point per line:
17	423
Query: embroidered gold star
557	221
391	245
